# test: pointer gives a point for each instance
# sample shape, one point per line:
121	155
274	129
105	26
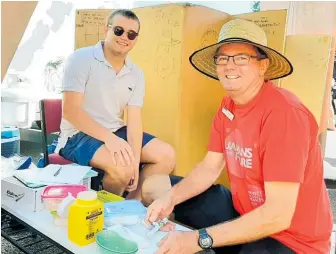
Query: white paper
27	175
69	174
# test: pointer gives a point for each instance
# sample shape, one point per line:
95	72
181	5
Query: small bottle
86	218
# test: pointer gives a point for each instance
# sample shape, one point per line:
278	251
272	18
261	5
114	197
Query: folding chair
51	116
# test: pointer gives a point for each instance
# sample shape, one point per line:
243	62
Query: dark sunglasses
119	31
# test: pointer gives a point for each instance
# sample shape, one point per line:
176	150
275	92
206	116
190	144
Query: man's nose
124	36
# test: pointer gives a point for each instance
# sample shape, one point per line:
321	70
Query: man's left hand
177	242
133	185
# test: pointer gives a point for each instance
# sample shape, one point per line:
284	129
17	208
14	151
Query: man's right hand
120	150
160	208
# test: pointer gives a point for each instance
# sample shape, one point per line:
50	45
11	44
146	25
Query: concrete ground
34	149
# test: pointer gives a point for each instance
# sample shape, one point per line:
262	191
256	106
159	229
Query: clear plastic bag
15	162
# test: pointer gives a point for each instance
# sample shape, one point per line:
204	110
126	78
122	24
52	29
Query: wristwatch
204	239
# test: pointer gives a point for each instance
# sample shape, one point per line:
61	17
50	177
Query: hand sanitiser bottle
86	218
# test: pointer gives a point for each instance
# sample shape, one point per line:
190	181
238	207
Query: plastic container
127	212
53	195
9	132
10	141
60	217
58	220
110	242
86	218
19	106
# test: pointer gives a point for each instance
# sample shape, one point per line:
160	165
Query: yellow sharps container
86	218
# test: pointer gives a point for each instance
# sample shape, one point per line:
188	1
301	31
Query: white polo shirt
106	94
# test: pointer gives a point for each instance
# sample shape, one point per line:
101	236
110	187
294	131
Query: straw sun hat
241	31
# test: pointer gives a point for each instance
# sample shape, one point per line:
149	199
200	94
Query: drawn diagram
274	25
209	37
169	40
90	27
92	34
93	18
165	66
319	62
268	26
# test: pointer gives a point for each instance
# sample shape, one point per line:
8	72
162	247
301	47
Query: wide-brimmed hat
241	31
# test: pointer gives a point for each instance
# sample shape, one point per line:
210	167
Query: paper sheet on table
28	177
69	174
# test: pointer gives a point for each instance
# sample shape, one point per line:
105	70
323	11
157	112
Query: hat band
238	39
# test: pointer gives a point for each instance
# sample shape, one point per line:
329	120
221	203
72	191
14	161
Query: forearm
196	182
134	138
252	226
83	122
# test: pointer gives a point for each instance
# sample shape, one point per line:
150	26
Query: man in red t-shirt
268	141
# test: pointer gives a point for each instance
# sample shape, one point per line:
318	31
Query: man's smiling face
121	44
237	78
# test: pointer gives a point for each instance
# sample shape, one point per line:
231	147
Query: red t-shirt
275	138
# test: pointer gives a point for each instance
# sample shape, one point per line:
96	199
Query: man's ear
264	63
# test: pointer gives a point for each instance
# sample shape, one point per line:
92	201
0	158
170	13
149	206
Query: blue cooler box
10	141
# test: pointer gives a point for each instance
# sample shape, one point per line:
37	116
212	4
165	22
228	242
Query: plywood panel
310	17
200	95
310	56
314	17
90	27
15	17
273	23
158	54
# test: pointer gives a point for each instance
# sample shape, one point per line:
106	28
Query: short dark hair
123	12
260	52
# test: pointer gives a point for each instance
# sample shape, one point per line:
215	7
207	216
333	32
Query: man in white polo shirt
99	83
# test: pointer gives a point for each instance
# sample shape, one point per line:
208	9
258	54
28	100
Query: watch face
206	242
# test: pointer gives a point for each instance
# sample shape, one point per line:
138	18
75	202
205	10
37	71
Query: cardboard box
30	198
15	191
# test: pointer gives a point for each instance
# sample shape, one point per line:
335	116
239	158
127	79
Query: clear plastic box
126	212
59	221
53	195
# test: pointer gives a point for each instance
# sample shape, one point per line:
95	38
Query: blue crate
10	141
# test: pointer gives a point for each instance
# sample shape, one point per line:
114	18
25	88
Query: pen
58	171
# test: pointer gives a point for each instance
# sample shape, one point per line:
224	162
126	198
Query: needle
157	226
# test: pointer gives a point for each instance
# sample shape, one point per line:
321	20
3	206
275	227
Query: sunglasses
119	31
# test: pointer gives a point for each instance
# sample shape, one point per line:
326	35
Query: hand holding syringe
156	226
